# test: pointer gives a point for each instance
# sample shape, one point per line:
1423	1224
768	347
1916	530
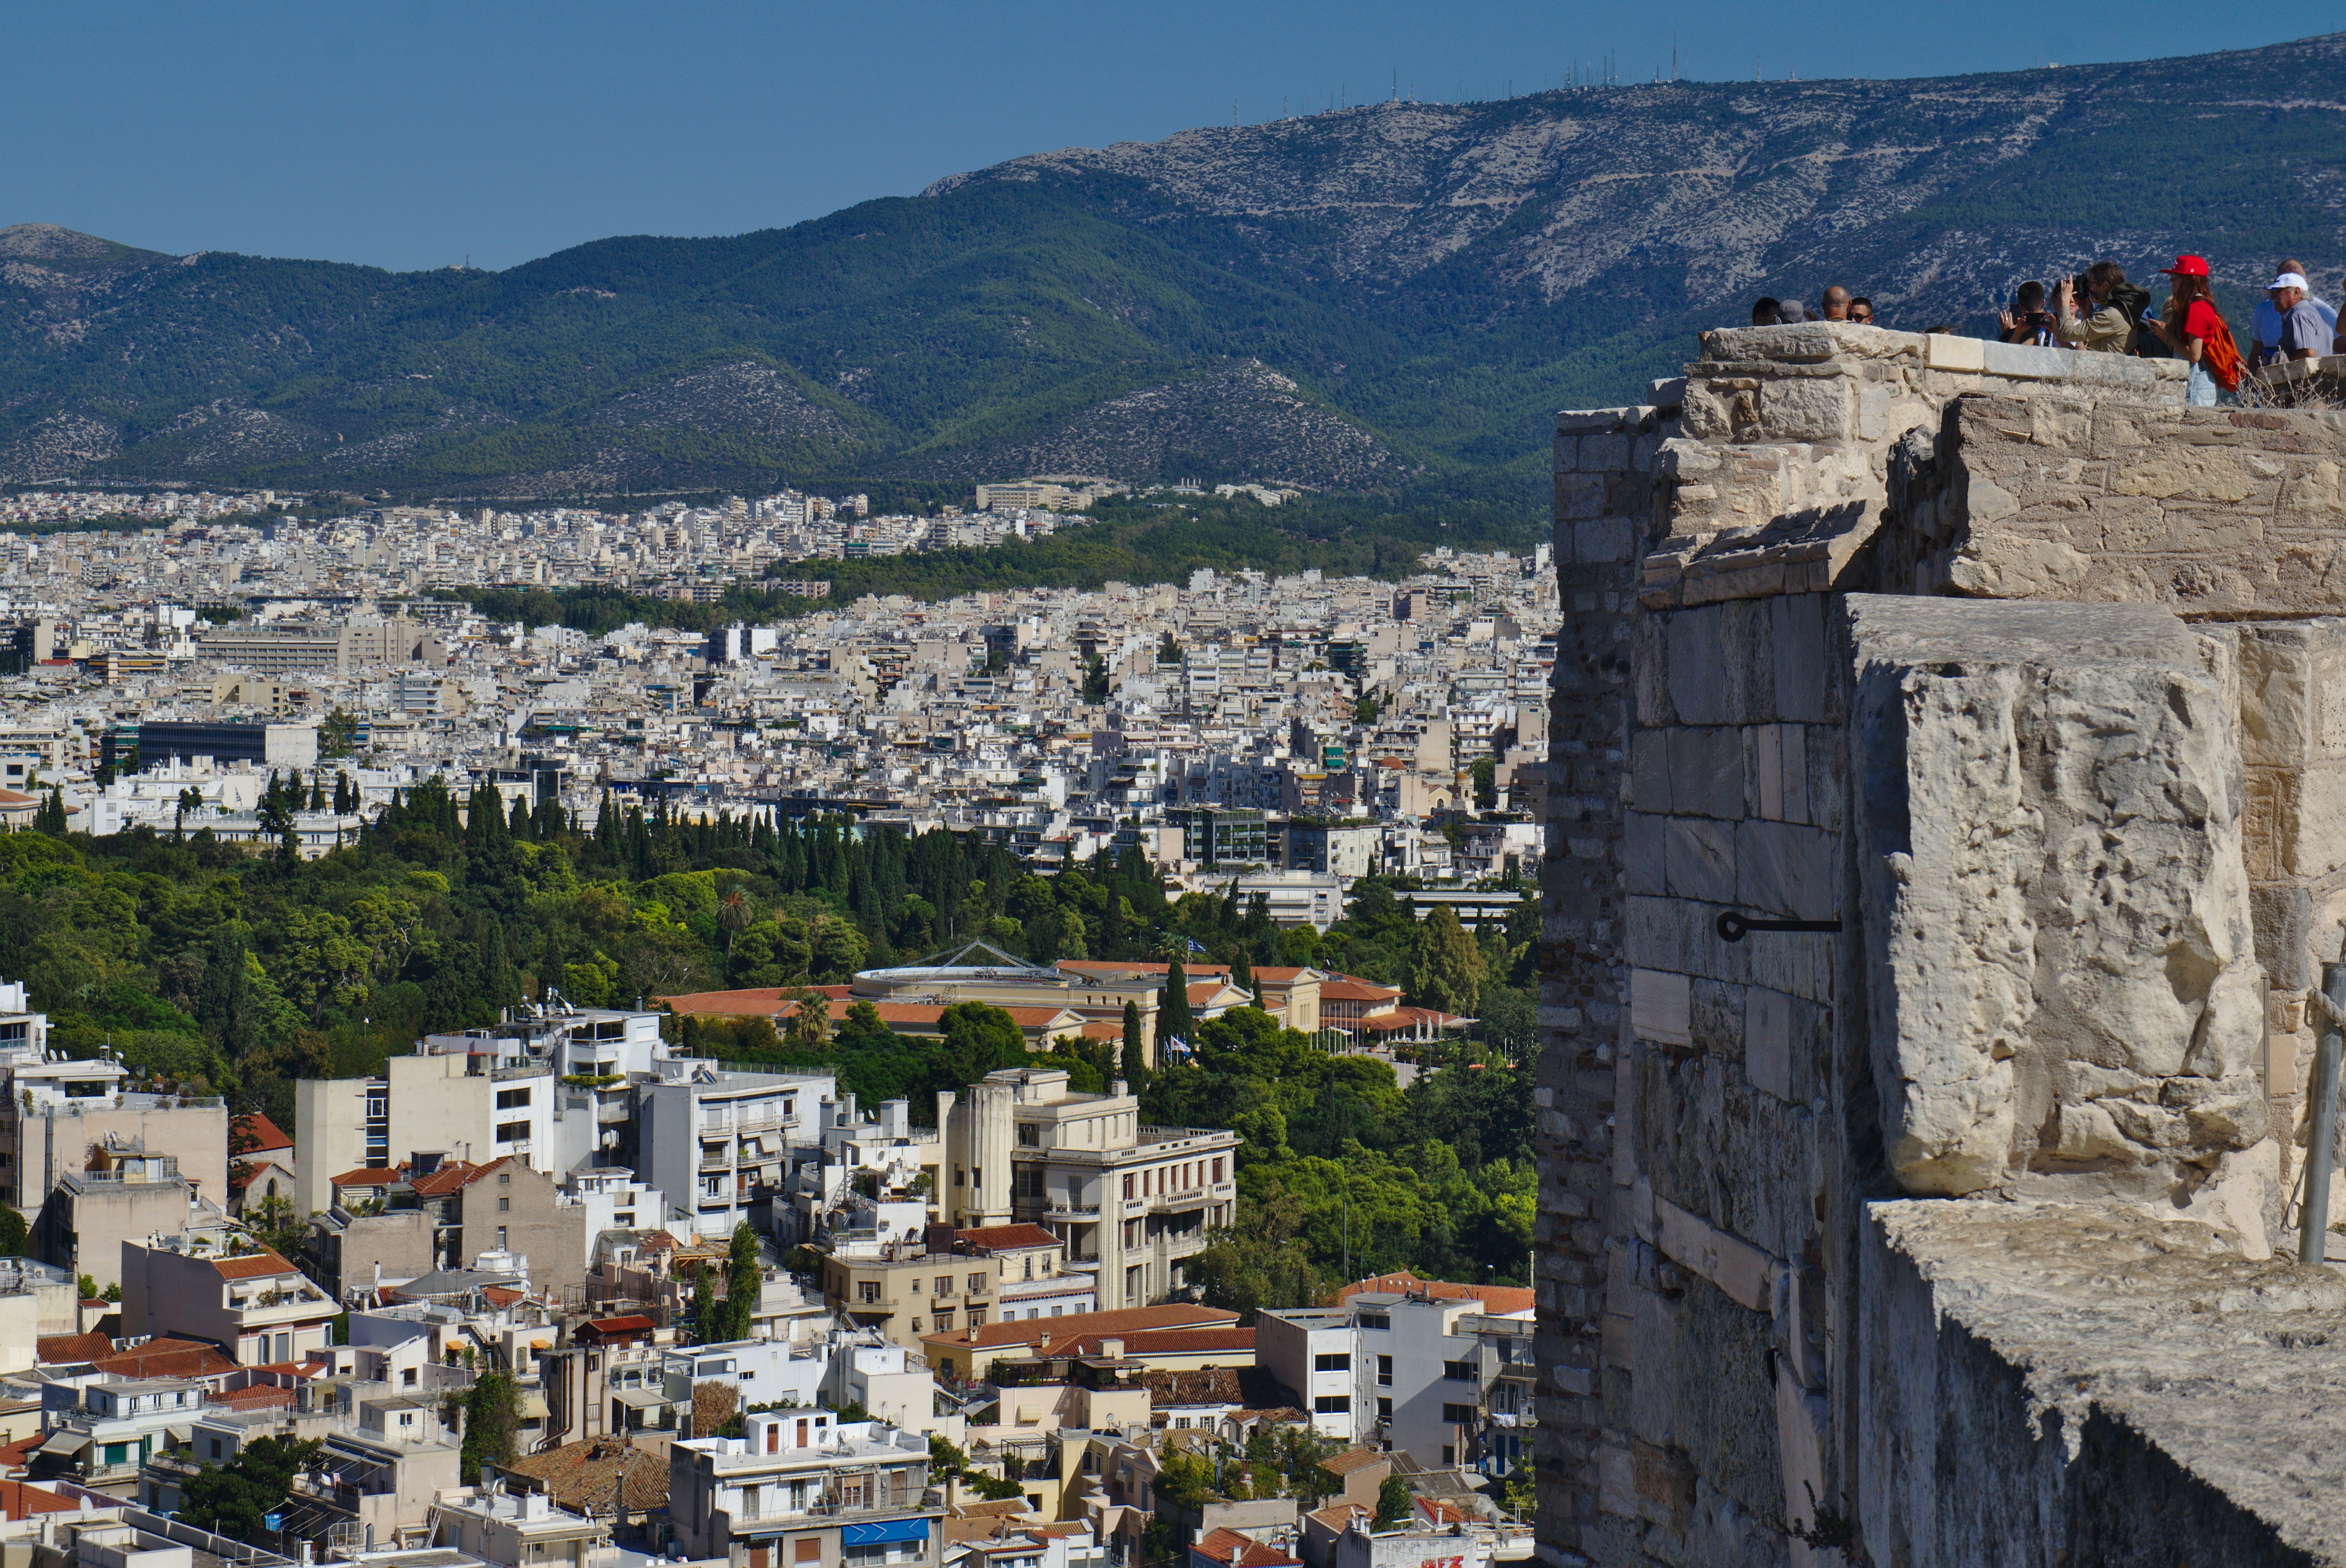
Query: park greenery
213	969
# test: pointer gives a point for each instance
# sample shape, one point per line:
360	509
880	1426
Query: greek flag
1194	947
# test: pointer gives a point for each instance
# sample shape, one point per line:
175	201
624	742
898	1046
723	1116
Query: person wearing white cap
2302	333
2267	325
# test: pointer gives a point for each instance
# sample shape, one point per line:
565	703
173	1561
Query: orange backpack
2222	357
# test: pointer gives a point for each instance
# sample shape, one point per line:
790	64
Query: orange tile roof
449	1178
167	1359
1221	1545
1353	1459
19	1500
1349	990
1493	1298
369	1175
54	1350
756	1002
252	1265
1006	1237
1121	1323
258	1397
17	1454
259	1135
1177	1341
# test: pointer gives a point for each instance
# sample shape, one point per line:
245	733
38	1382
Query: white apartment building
714	1140
1130	1203
801	1489
1442	1372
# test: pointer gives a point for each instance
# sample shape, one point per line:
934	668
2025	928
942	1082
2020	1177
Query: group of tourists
2098	312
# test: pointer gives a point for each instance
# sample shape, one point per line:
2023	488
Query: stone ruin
1961	1232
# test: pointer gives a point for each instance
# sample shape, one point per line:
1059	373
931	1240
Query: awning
534	1408
640	1399
886	1529
65	1443
181	1434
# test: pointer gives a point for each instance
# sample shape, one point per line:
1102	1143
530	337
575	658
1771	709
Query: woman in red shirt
2190	321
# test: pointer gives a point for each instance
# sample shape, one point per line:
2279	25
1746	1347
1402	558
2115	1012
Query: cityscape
781	791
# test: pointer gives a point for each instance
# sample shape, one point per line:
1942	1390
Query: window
1029	1136
1218	1172
513	1132
868	1291
916	1287
504	1203
501	1238
1459	1371
1449	1454
504	1178
1128	1188
1338	1362
977	1285
1385	1410
1375	1320
1332	1404
957	1176
1457	1416
916	1325
512	1099
977	1316
944	1284
944	1322
808	1550
216	1448
1030	1268
1384	1371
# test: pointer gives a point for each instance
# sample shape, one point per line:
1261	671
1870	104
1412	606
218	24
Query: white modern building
713	1140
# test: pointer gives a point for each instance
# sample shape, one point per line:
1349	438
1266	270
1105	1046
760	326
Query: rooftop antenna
1674	54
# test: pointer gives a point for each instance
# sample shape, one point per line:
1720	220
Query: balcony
1060	1209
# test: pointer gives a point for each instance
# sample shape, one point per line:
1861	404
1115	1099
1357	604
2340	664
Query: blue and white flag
1194	947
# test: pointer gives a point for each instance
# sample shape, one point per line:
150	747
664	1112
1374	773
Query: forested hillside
1365	300
213	970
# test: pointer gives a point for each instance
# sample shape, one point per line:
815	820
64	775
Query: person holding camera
2026	320
2086	315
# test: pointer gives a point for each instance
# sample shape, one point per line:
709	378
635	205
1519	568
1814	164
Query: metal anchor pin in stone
1732	926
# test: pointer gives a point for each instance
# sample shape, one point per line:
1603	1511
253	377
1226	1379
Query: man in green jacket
2105	327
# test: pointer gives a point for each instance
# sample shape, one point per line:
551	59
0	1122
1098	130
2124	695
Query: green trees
1446	966
492	1411
231	1499
14	1234
1174	1021
1394	1504
744	1280
708	1316
1133	1068
338	736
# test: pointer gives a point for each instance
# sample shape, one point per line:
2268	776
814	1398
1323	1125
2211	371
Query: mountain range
1389	297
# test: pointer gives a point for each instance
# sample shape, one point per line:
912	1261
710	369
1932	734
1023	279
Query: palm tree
733	913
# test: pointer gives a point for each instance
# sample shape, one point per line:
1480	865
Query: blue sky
413	133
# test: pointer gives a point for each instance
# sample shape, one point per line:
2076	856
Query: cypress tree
1173	1018
1135	1071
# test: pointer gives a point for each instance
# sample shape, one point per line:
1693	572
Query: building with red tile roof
968	1353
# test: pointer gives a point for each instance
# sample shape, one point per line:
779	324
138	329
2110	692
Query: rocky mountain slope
1391	295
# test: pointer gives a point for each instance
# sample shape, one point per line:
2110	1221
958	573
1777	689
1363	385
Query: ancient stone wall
2082	857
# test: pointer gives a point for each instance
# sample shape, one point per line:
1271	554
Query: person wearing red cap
2193	328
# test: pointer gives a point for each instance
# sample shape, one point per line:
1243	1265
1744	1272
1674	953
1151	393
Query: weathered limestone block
2054	1383
2050	866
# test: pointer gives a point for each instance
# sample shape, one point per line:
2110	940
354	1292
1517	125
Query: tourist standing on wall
1764	313
2302	333
2098	323
2027	321
1860	312
1836	303
2194	328
2268	317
